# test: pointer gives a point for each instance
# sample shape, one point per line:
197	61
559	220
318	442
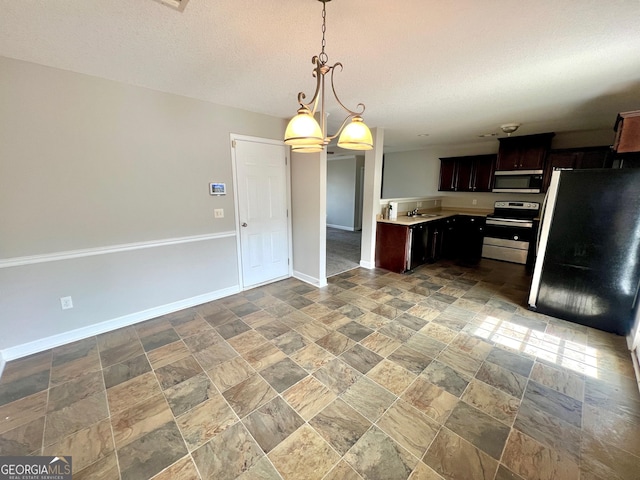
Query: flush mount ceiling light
176	4
303	132
509	128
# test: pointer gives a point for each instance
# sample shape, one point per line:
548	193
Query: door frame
357	223
246	138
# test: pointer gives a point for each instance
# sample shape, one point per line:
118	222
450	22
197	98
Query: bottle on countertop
393	210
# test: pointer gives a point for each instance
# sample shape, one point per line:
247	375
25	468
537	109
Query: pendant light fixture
509	128
304	133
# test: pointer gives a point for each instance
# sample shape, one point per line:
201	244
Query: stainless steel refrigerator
588	265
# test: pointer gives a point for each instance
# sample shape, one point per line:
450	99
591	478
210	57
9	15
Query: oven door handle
510	223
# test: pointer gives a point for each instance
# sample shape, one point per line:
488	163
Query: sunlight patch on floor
570	354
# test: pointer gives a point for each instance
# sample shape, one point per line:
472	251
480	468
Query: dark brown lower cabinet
402	248
419	245
463	237
391	247
470	235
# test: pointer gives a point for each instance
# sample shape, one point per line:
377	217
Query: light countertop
443	213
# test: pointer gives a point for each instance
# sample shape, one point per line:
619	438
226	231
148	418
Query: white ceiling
453	69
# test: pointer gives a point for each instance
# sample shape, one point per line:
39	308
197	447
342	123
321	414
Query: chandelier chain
304	133
323	56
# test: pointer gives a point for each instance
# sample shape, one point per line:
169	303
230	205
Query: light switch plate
66	303
218	213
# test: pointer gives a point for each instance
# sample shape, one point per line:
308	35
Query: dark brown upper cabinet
448	174
627	130
576	158
467	174
524	153
485	167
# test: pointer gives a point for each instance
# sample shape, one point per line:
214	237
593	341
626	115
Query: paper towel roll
393	210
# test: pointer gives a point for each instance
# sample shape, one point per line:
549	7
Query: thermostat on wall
217	189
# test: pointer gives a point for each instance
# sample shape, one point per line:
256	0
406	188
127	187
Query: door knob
244	224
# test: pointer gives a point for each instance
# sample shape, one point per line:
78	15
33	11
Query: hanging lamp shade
307	148
303	130
356	136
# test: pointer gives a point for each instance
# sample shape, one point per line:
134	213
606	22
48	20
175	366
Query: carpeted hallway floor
343	250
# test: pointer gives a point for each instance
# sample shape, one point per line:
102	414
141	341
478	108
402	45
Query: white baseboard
3	362
341	227
344	271
365	264
53	341
316	282
636	366
271	280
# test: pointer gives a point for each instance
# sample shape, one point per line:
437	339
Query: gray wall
104	197
341	193
308	216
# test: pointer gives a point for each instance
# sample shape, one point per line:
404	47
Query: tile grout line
190	452
392	281
113	437
46	406
175	419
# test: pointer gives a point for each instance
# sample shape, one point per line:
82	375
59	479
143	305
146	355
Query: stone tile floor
438	374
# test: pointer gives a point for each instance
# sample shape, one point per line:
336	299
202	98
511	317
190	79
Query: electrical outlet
419	204
66	303
218	213
474	202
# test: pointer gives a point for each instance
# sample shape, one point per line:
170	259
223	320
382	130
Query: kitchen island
409	241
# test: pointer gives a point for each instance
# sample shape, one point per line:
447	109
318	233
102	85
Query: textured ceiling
452	69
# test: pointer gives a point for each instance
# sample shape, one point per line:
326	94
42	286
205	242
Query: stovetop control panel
518	205
518	210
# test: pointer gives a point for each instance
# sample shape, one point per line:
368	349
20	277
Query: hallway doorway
343	250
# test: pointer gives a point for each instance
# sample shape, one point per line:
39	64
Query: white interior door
261	180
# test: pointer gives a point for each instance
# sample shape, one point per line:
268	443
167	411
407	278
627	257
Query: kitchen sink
430	215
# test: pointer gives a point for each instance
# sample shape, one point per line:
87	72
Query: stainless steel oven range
509	231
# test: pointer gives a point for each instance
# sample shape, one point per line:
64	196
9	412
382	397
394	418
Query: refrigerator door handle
542	212
545	226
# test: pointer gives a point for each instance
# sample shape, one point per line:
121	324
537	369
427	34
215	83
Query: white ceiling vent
177	4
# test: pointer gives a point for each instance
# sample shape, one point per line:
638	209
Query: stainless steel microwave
518	181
